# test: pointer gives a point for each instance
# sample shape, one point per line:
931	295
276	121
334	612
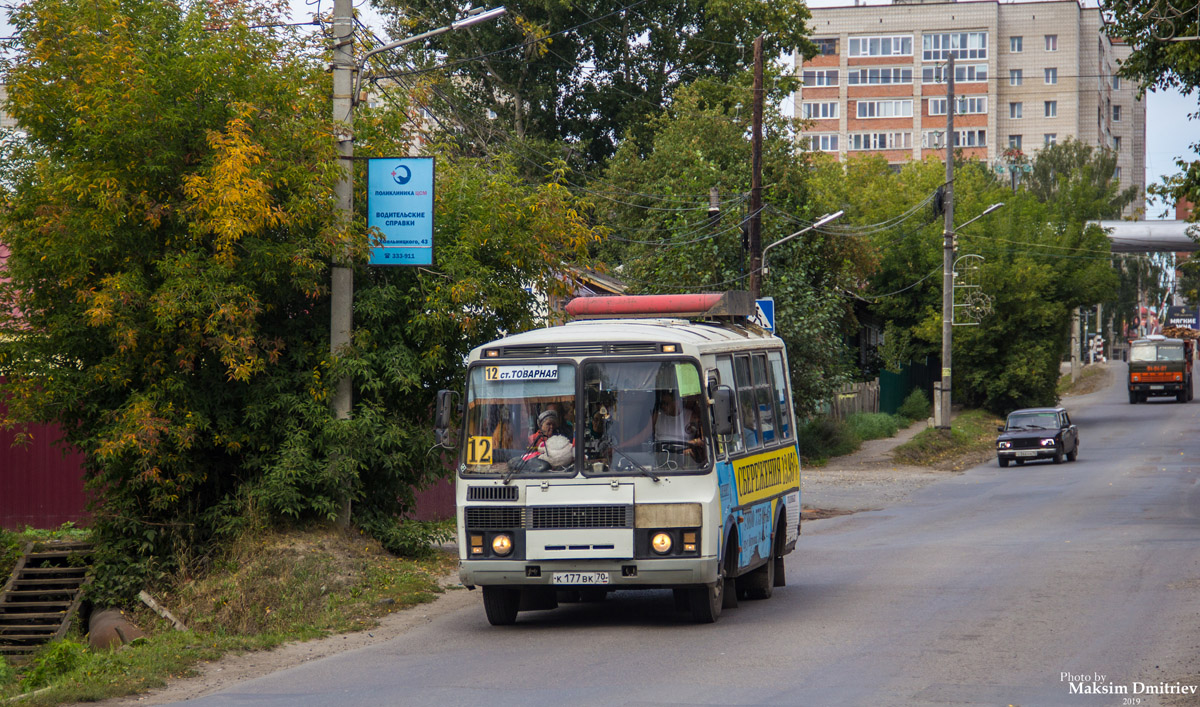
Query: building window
820	77
1015	76
960	45
900	45
1052	42
971	137
963	105
1014	141
1116	83
884	109
1050	138
823	142
1051	109
819	111
1014	45
1051	76
1116	174
1116	114
877	76
880	141
826	47
1015	110
1117	143
965	73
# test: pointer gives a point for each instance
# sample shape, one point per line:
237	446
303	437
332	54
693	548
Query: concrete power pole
942	402
342	286
756	174
1074	344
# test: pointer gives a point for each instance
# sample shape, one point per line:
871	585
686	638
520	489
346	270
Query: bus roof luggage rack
735	304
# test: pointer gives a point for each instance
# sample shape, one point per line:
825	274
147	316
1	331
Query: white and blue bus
647	444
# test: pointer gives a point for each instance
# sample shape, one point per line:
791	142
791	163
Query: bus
649	443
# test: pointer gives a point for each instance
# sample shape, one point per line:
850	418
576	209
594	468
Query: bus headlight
502	544
661	542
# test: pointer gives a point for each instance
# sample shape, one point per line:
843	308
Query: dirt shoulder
236	668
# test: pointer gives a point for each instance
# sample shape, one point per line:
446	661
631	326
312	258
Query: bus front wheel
501	605
706	600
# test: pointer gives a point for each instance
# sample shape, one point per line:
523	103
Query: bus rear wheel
760	584
501	605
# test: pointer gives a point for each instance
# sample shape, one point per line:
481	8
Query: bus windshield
1148	352
643	416
520	418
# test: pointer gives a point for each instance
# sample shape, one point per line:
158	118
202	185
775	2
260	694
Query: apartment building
1027	74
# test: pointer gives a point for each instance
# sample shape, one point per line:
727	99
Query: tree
1040	262
664	240
1158	62
170	226
585	72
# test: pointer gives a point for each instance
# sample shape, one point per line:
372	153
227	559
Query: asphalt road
996	587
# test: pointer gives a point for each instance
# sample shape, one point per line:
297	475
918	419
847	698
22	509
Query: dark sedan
1037	433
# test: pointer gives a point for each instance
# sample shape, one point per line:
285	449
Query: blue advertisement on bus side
400	206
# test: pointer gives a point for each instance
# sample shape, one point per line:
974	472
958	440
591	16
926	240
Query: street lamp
941	408
474	16
817	224
347	79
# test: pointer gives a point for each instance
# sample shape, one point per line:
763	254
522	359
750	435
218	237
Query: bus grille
489	517
559	517
492	493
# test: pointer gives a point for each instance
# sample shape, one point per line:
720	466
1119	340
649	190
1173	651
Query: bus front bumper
621	574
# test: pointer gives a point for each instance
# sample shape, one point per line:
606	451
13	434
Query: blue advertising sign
400	205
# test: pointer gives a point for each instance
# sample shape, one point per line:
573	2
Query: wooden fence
854	397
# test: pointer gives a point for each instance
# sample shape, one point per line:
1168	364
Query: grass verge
1091	378
970	440
270	588
823	437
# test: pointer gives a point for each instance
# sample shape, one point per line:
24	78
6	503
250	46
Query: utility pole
1075	344
342	286
942	408
756	174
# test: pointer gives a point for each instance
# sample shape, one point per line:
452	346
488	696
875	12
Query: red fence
40	486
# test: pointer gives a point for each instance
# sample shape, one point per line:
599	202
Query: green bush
872	425
824	437
915	407
10	552
54	661
7	675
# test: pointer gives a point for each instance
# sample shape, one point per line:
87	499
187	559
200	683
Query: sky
1168	131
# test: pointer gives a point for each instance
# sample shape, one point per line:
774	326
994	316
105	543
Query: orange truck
1161	366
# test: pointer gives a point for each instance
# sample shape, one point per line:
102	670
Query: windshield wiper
631	460
521	466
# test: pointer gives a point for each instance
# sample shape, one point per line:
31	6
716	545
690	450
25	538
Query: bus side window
733	443
746	405
764	398
779	379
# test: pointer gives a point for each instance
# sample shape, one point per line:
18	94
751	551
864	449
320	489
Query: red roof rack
710	305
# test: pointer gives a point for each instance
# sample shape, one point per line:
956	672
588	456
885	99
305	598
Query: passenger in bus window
548	444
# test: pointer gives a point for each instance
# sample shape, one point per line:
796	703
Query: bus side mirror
441	417
723	411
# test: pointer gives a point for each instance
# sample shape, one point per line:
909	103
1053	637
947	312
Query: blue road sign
766	312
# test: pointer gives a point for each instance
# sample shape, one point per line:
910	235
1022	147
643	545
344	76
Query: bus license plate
1027	453
580	578
1156	387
